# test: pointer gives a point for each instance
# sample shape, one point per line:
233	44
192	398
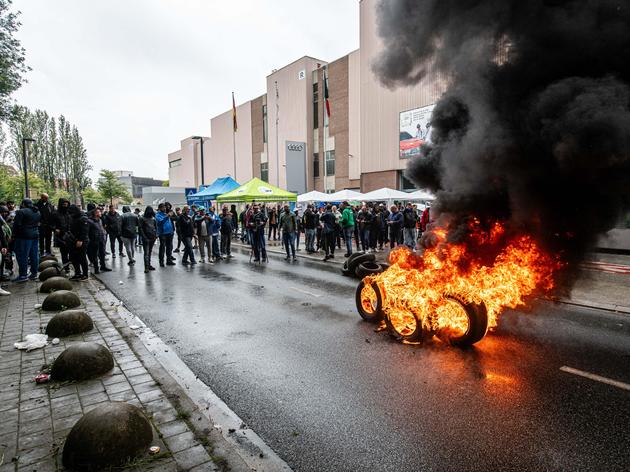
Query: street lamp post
25	164
200	138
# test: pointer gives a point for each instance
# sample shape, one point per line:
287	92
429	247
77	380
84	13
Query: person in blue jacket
395	222
165	233
215	227
26	237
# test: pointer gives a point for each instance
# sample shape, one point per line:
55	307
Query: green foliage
110	187
12	185
90	195
165	183
12	58
57	155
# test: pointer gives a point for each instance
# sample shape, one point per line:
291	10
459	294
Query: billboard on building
415	130
296	166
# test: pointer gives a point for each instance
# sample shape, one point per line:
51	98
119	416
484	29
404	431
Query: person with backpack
26	236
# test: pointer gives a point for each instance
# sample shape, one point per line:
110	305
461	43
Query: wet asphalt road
283	346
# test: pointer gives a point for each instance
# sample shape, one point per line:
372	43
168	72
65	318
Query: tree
110	187
90	195
12	185
12	58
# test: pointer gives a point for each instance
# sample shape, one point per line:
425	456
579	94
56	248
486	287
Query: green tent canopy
257	190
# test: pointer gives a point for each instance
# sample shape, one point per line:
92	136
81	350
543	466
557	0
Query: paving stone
151	395
65	423
35	426
35	414
65	400
30	440
181	441
113	378
172	428
135	372
49	465
208	466
123	396
31	456
63	411
140	379
93	398
168	465
192	457
117	387
164	416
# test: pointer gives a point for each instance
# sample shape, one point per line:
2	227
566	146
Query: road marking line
595	377
316	295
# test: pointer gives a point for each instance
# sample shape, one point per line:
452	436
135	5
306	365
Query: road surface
283	346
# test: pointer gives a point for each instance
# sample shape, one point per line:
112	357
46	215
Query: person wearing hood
77	241
46	211
5	237
96	244
112	222
26	236
165	230
61	224
129	226
148	233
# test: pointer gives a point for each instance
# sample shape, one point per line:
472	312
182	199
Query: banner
415	130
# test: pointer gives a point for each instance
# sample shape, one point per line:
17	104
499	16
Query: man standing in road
395	222
77	243
288	227
46	211
257	223
129	231
202	229
26	235
215	228
410	221
165	232
96	244
227	229
311	220
347	226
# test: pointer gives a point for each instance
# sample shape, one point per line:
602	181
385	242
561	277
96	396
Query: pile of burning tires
361	264
409	328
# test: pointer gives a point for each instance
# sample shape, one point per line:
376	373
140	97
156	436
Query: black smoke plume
534	128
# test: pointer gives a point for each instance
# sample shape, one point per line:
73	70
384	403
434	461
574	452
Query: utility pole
25	164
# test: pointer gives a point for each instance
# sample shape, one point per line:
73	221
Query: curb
231	438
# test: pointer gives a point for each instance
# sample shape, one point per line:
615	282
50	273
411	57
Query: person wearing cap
26	236
46	211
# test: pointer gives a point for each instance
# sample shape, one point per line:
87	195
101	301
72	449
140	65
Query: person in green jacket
347	225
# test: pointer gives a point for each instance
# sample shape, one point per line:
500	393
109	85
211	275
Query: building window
264	112
175	163
404	183
264	171
316	164
330	162
315	106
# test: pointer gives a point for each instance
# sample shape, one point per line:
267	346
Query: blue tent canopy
220	186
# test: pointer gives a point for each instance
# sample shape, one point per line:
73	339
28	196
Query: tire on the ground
373	314
354	263
477	322
413	333
367	268
354	255
49	257
384	266
346	273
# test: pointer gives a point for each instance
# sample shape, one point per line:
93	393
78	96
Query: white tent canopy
420	195
313	196
385	194
342	195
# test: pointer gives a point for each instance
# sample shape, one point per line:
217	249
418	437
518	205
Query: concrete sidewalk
35	419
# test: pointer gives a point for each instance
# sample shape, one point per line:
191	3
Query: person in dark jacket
148	233
46	210
234	215
288	222
395	222
96	244
77	242
227	228
112	222
410	222
256	224
328	221
129	231
5	236
26	236
186	228
61	225
310	222
364	219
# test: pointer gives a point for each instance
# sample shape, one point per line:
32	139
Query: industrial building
286	137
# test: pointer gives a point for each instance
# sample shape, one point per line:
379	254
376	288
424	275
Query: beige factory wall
380	107
294	105
188	174
219	161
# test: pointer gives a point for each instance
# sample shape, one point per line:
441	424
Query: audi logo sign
295	147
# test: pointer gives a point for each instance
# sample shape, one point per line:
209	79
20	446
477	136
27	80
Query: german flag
326	94
234	123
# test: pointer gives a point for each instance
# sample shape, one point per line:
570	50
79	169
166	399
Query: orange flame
415	289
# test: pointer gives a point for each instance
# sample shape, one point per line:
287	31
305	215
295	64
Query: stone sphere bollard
107	436
69	322
46	264
49	257
55	283
61	300
82	361
49	272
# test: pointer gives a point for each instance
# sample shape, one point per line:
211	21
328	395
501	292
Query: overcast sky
136	76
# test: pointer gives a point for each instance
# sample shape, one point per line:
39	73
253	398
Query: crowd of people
82	237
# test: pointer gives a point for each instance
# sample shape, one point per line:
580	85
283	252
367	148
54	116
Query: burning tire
472	322
369	302
405	326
